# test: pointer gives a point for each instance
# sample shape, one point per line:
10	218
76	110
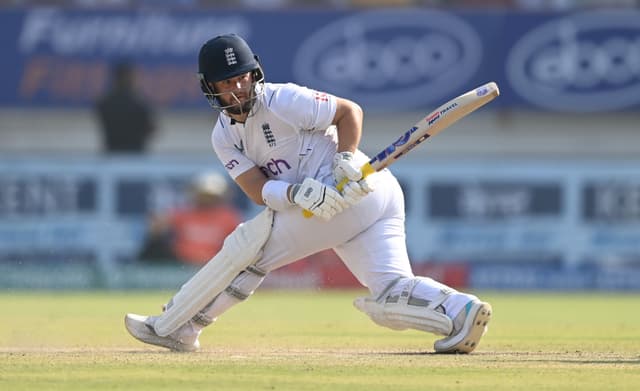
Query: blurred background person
126	120
194	233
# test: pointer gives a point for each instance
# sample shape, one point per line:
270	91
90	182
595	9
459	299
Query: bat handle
367	169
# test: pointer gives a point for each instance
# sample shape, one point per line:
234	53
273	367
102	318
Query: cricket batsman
287	147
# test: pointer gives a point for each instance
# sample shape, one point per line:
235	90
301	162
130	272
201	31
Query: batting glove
345	167
321	200
353	192
357	187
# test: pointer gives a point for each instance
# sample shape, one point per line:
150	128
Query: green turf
318	341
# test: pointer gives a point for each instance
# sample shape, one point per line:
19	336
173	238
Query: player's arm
279	195
348	120
251	182
346	172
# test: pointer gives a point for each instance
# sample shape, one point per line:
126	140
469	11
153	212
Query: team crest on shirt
268	135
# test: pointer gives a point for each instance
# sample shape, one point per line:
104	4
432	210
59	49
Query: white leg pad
405	312
241	248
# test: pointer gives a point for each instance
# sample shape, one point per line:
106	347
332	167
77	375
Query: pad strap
205	320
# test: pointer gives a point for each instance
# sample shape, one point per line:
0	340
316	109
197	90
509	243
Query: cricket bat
429	126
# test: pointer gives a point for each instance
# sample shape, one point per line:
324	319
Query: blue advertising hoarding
388	60
526	224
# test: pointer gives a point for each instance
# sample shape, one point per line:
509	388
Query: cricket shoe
141	328
468	327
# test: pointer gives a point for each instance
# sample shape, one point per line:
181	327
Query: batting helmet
224	57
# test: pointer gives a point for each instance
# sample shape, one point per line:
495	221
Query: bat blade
434	123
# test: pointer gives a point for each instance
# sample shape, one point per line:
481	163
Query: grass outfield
318	341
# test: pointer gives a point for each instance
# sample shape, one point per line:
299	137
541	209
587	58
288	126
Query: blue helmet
224	57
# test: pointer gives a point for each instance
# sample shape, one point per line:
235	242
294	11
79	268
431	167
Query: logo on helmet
230	56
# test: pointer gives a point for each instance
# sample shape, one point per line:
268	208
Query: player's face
236	93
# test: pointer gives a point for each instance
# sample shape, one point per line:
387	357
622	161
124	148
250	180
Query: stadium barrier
80	223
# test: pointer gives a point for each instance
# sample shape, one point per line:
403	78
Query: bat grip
366	170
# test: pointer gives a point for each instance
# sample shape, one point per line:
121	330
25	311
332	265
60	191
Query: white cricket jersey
289	136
